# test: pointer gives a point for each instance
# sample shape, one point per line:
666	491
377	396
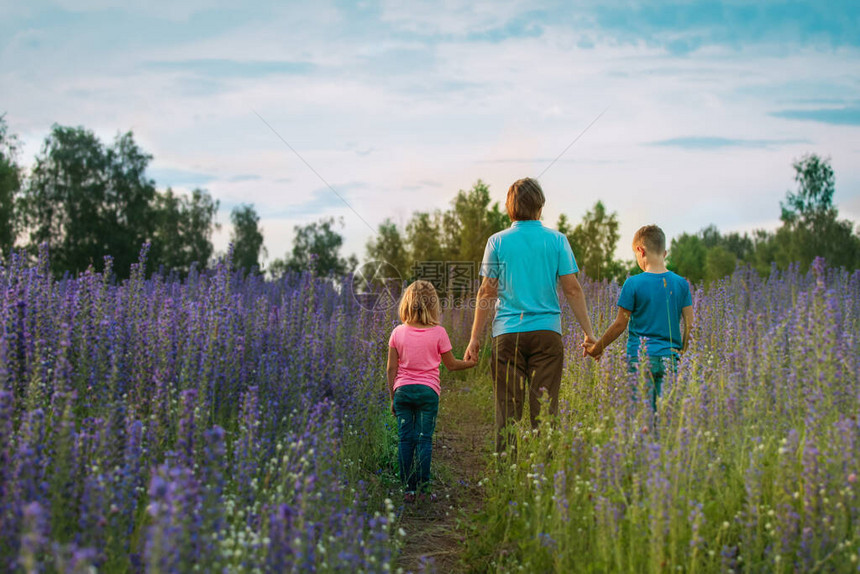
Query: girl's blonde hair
420	304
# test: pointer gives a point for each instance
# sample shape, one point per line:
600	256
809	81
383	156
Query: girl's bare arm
453	364
391	370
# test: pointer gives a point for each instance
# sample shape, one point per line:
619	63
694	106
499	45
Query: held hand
392	408
594	353
472	352
589	347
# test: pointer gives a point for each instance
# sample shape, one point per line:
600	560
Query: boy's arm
391	370
576	299
453	364
487	294
687	313
613	332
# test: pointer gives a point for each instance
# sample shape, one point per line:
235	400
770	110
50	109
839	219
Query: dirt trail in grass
461	451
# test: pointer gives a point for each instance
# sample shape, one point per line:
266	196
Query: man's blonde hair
420	304
525	199
652	238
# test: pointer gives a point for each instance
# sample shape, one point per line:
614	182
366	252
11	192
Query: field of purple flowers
221	423
227	423
751	465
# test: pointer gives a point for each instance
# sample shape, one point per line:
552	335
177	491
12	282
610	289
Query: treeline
87	199
459	234
810	227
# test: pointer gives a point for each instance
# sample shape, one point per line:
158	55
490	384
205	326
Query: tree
182	230
88	201
813	201
387	246
246	237
316	248
563	226
594	241
687	256
719	262
423	237
470	222
10	186
811	226
741	246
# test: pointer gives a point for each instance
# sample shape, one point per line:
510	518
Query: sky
373	110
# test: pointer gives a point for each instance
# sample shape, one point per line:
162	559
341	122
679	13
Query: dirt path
434	540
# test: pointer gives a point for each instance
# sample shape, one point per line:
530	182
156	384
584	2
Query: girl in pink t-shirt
415	350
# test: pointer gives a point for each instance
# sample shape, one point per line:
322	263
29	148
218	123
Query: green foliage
811	226
594	241
458	234
88	200
10	185
388	246
246	237
423	237
719	262
813	201
182	230
687	255
316	247
708	255
475	221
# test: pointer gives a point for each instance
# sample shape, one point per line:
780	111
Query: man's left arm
576	299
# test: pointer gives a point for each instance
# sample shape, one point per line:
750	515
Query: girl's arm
391	370
453	364
687	313
613	332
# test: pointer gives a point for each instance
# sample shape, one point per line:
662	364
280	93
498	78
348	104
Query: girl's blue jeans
416	407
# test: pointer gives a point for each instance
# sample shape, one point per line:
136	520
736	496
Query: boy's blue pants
416	407
657	369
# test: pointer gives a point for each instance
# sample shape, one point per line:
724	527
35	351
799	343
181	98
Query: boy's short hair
651	237
420	304
525	199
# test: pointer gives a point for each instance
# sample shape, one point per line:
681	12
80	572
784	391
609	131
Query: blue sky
399	105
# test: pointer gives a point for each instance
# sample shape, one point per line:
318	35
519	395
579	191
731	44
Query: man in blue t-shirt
522	270
652	304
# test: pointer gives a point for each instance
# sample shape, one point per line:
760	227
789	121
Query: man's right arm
488	292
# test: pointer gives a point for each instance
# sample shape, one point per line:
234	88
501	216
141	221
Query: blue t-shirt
528	259
655	301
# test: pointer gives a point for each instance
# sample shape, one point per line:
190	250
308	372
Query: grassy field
232	424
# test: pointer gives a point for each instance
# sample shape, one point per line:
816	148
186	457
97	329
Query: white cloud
427	104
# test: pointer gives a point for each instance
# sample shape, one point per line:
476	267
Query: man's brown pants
521	362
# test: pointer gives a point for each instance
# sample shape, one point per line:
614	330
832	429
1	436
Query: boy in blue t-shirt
652	303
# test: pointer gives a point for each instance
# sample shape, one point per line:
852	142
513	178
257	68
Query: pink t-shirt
419	353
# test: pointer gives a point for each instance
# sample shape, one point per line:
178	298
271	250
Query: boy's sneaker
426	497
409	497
